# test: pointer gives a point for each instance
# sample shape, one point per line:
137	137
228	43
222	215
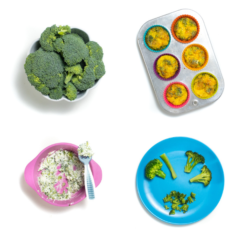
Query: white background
120	118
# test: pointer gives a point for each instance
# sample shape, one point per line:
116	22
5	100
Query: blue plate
151	192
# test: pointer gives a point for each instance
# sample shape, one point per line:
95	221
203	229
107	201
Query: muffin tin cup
194	80
174	22
170	104
207	57
144	39
176	73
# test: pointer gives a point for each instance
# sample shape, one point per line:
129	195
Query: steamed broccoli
184	208
72	48
167	162
77	69
176	207
166	207
71	91
50	35
95	50
193	195
172	212
193	159
153	169
204	177
190	200
168	198
45	70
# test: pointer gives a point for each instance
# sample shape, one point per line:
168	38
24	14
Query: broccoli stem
161	174
167	162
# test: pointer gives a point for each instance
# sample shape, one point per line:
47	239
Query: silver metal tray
186	75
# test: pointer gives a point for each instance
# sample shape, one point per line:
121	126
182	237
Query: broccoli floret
204	177
167	162
168	198
166	207
193	159
185	208
176	201
71	92
153	169
72	48
193	195
77	69
182	200
95	50
99	69
43	89
173	193
56	93
45	70
172	212
50	35
189	199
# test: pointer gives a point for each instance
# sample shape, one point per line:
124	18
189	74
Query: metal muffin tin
176	48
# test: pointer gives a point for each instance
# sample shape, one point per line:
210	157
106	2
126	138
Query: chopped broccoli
72	48
95	50
172	212
45	70
184	208
193	159
176	201
166	207
77	69
50	35
204	177
182	200
168	198
193	195
176	207
153	169
190	200
56	93
71	91
167	162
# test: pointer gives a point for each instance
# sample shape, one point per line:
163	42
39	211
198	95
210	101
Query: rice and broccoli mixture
62	174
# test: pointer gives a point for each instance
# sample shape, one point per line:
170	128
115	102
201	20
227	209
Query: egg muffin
195	56
167	66
177	94
157	38
185	29
204	85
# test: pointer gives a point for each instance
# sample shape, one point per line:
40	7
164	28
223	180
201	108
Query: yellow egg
157	38
167	66
177	94
185	29
205	85
195	56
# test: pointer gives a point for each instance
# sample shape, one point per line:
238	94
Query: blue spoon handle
89	183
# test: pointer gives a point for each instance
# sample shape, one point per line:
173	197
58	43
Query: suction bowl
31	175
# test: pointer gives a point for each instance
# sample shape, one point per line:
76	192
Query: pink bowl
31	174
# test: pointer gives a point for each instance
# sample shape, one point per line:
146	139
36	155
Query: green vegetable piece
204	177
153	169
166	207
56	93
167	162
45	70
172	212
71	92
182	200
193	159
95	50
50	35
193	195
77	69
176	207
185	208
190	200
176	201
168	198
